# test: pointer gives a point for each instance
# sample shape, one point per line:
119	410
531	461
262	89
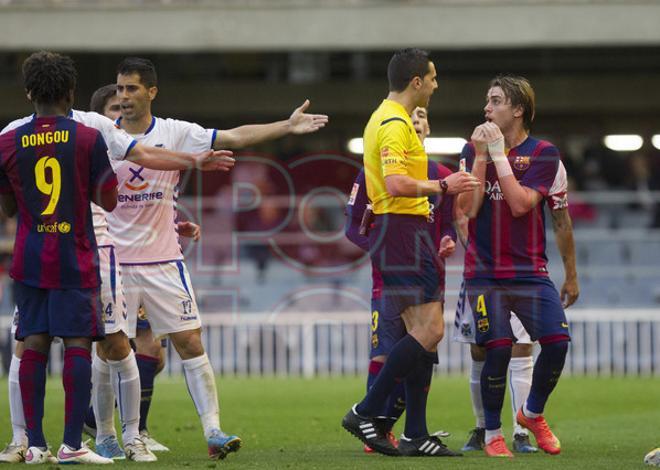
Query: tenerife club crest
137	181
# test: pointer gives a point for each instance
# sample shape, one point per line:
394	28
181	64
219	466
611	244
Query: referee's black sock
403	358
418	384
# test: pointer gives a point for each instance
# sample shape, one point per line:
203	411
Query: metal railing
609	342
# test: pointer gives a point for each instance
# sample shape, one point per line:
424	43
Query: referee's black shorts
402	248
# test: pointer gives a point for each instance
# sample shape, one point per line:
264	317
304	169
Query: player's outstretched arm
157	158
406	186
563	228
299	122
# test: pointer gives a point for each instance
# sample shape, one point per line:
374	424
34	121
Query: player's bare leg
115	353
15	450
150	356
201	384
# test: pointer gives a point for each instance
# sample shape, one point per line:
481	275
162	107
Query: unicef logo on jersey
494	191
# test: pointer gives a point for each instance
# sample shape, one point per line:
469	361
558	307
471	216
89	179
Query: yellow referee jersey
391	147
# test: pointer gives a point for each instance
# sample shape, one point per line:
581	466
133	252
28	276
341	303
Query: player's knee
115	346
499	352
556	345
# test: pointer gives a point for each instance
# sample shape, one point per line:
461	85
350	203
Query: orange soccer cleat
496	447
390	437
545	439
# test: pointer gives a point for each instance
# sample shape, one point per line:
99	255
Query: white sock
530	414
16	403
475	392
520	381
490	435
201	386
103	400
125	378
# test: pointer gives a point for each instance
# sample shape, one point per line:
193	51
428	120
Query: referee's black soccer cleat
426	446
369	432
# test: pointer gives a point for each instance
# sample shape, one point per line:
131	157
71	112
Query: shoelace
499	445
441	433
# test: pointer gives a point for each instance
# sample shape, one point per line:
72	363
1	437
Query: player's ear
518	112
28	94
153	91
416	83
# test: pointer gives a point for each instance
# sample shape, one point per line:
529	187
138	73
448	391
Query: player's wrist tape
496	147
502	167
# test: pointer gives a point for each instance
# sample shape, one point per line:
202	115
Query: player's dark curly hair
49	77
520	93
143	67
405	65
101	96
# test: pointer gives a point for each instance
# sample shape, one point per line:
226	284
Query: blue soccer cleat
522	445
109	448
220	444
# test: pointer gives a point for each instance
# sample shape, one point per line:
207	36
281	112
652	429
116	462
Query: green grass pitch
295	423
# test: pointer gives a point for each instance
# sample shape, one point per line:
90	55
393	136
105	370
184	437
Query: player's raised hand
479	141
461	182
214	160
494	138
570	291
302	123
447	247
189	230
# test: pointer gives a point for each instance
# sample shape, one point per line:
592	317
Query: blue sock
77	380
493	382
147	366
417	387
547	371
404	356
32	380
90	419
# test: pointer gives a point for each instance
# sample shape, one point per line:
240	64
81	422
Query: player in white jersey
121	361
521	365
146	238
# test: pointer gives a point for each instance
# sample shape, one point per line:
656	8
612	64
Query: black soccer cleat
477	440
369	432
426	446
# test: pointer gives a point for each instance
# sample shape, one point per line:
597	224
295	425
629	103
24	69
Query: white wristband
496	147
503	167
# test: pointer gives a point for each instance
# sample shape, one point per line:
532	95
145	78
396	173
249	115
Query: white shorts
464	322
165	292
112	292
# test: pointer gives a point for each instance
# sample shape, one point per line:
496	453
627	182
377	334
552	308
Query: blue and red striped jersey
502	246
53	166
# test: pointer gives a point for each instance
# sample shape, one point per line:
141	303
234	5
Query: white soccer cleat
13	453
152	444
653	458
84	455
137	451
38	456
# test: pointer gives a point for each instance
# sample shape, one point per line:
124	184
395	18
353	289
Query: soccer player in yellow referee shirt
401	247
